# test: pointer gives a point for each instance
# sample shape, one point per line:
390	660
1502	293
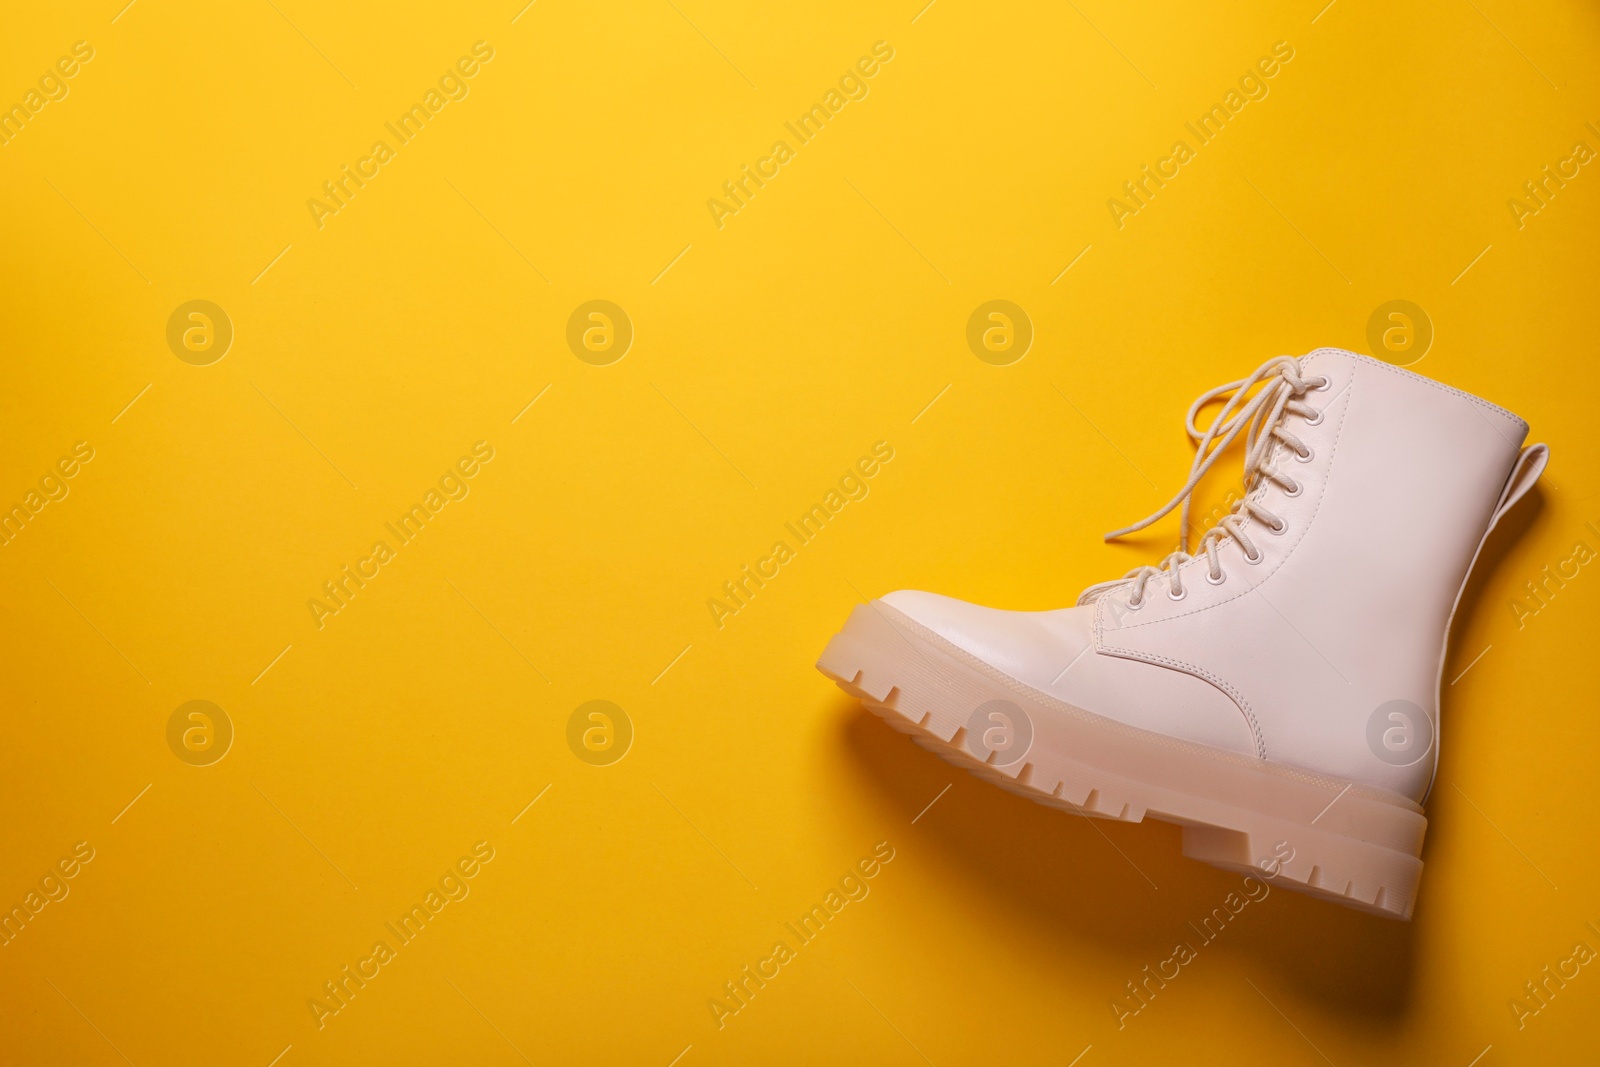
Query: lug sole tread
1342	873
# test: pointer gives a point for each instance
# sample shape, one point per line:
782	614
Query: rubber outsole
1333	839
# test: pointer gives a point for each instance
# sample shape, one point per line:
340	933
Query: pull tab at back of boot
1526	471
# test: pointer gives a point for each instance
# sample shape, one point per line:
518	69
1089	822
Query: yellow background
768	357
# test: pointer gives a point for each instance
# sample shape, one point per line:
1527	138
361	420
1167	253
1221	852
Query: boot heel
1323	863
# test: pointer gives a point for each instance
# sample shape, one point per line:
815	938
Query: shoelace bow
1260	419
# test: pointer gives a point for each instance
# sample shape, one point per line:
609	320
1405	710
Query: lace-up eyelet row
1301	450
1259	418
1315	418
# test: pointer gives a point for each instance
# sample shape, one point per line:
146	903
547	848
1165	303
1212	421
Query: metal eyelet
1253	560
1296	491
1314	420
1180	594
1324	382
1221	577
1307	458
1135	605
1279	528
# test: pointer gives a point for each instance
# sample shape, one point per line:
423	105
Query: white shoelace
1260	418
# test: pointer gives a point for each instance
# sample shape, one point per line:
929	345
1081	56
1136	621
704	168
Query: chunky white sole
1333	839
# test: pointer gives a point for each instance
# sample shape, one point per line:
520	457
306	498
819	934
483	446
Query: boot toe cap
1011	641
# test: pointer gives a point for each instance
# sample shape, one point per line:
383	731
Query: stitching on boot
1188	668
1497	409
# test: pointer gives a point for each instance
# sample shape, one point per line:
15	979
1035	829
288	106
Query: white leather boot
1275	692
